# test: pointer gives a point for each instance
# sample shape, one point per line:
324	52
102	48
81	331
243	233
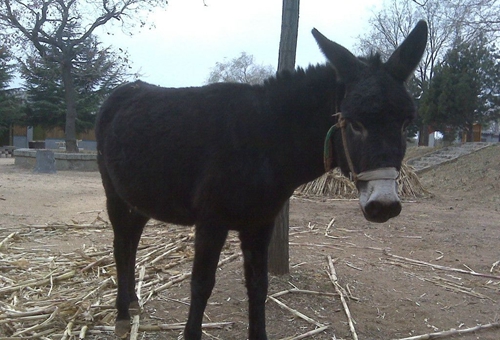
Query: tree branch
420	3
103	19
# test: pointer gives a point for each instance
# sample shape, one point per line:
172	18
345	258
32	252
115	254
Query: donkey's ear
344	62
406	57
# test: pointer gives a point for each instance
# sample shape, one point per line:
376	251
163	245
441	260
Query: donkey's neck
304	101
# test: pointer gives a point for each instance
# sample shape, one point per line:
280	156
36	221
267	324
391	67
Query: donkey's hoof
134	308
122	328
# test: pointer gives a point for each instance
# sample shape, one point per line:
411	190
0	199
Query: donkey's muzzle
378	198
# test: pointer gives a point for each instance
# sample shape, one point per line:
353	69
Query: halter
377	174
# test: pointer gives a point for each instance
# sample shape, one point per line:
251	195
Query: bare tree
242	69
475	18
56	29
392	24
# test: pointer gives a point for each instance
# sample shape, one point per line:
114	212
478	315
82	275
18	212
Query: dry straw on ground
47	294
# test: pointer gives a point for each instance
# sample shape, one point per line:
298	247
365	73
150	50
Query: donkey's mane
321	74
373	60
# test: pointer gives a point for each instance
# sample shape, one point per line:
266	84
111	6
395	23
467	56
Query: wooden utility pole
289	33
278	249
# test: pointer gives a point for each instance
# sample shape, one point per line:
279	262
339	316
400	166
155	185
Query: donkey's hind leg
127	227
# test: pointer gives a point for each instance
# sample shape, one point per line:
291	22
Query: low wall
7	151
26	158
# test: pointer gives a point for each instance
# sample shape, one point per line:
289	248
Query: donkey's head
370	136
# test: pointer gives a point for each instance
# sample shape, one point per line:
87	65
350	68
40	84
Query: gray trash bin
45	162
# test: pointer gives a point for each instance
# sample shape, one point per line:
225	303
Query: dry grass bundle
409	185
334	184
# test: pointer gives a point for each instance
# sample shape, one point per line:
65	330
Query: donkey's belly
155	198
166	211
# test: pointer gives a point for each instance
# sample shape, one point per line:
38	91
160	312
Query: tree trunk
470	133
423	135
70	96
11	134
278	249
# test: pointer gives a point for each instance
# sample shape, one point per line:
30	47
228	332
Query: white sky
190	38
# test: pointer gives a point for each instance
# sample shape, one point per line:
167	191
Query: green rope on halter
328	149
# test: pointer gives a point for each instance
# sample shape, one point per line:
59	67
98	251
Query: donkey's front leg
254	244
208	244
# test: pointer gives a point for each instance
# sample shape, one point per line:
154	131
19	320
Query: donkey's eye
357	126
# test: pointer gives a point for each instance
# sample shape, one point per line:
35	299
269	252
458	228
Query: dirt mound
475	178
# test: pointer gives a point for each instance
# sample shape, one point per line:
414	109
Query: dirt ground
454	233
